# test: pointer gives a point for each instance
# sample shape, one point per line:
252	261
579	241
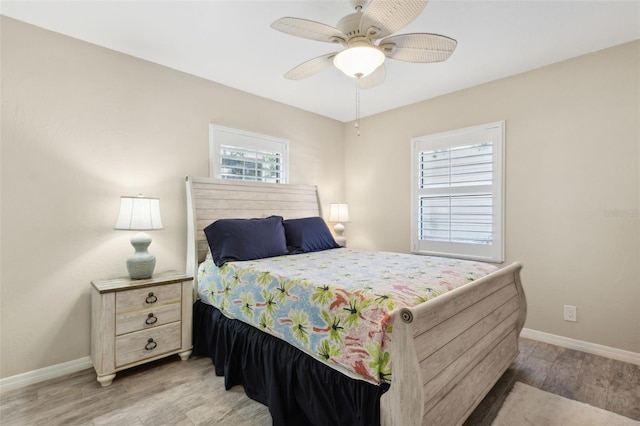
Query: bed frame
446	353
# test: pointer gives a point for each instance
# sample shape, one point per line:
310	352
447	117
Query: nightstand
137	321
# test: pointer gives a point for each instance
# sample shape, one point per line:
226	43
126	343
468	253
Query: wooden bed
446	353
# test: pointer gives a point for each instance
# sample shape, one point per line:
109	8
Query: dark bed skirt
298	389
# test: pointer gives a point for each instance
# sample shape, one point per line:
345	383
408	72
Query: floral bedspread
334	305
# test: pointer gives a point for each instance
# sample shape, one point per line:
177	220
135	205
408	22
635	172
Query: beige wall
572	155
83	125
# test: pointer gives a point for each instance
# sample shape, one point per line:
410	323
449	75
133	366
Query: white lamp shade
339	213
358	61
139	214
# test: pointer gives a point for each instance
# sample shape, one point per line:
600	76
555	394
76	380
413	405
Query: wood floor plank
625	372
562	378
596	370
624	398
593	381
545	351
533	371
591	394
526	346
624	390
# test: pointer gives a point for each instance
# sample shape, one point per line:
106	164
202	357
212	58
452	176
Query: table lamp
339	213
140	214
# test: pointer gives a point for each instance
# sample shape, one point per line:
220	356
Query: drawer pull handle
151	298
151	345
151	319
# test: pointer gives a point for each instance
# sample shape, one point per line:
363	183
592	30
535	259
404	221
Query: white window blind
240	155
458	193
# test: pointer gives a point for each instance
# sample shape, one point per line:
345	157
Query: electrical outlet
570	313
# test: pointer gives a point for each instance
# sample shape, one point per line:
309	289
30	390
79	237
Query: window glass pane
251	165
464	218
456	166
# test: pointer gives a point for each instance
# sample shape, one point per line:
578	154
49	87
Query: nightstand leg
106	379
185	355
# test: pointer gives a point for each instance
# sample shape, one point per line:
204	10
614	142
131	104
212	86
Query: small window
458	188
236	154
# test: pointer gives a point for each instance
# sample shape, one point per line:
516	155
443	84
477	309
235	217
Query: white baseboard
579	345
58	370
46	373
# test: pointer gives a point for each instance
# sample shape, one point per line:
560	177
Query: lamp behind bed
340	214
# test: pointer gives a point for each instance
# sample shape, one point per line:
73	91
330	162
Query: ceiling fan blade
308	29
311	67
389	16
419	47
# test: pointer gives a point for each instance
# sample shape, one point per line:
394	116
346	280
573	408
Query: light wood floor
173	392
592	379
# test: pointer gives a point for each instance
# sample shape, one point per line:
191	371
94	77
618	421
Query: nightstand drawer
128	322
137	321
144	344
147	297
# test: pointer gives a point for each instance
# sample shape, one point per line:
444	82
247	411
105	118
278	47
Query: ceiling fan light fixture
359	61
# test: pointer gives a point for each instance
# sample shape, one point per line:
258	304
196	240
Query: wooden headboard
211	199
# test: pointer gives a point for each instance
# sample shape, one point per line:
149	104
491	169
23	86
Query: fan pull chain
357	125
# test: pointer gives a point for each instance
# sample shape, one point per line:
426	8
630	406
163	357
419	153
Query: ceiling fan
367	40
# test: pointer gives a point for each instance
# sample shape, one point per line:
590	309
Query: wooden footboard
448	353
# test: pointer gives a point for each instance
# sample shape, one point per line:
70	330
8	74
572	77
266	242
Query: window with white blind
241	155
458	191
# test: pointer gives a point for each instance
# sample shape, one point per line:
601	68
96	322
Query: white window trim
441	140
219	135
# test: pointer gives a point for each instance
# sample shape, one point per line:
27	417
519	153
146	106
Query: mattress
334	305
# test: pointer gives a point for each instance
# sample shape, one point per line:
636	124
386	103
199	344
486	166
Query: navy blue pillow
308	234
245	239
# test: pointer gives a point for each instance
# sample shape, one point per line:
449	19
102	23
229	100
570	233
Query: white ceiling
231	42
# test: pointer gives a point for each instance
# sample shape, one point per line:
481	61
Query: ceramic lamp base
338	228
142	263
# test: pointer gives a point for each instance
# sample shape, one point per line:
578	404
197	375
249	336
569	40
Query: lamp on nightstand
140	214
340	214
